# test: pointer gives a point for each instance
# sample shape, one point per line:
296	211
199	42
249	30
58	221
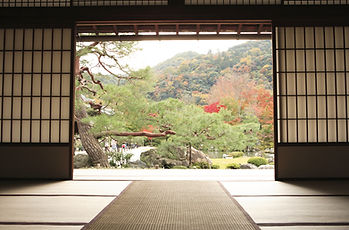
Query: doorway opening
198	99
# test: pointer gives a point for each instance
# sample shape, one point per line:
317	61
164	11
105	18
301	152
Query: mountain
189	76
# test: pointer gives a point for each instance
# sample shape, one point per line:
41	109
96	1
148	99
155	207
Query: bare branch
128	77
88	89
97	82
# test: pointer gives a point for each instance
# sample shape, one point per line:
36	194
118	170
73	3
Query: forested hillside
190	76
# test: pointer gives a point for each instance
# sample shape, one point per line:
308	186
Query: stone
266	167
152	159
82	161
198	156
170	163
137	164
248	166
259	154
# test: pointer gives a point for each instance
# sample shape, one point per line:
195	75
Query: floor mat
173	205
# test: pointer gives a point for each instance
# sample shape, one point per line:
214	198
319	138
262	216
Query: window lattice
312	66
83	3
266	2
34	3
35	85
69	3
119	2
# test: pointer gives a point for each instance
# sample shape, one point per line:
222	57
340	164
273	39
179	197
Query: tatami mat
297	209
289	188
51	209
38	227
306	228
156	205
95	188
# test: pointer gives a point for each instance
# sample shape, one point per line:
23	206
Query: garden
193	110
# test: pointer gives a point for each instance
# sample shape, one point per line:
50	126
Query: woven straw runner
173	205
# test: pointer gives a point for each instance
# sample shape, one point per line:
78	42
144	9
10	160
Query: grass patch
224	162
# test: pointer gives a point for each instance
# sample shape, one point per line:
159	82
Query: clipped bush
236	154
233	166
201	165
179	167
257	161
215	166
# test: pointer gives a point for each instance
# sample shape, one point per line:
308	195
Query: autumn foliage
264	106
242	97
213	108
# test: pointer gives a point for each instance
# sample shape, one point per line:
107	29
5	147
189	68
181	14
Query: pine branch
134	134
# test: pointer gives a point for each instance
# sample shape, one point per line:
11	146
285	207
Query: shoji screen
35	3
119	2
73	3
266	2
312	76
35	99
233	2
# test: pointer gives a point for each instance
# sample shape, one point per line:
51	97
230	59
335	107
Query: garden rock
198	156
170	163
138	164
248	166
152	158
82	161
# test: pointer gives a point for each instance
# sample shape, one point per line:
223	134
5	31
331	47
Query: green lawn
224	162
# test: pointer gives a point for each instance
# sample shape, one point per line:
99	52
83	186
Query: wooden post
190	154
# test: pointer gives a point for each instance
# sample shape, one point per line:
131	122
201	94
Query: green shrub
215	166
257	161
179	167
236	154
112	163
233	166
201	165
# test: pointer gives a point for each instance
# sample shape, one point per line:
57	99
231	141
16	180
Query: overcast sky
154	52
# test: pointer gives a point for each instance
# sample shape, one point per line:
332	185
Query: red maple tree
214	107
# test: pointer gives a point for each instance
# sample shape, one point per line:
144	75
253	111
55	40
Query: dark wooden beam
285	15
169	27
174	37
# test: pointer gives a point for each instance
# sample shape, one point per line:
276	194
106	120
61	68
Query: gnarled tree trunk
89	142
